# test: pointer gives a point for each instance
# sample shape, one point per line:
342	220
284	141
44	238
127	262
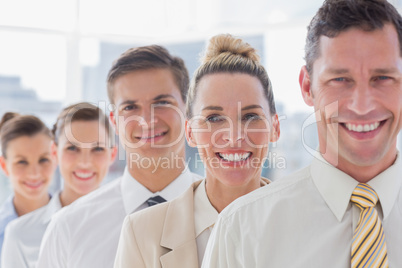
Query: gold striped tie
368	246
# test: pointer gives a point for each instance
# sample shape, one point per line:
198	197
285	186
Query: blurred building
15	98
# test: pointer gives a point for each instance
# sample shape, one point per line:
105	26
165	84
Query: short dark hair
148	57
336	16
14	125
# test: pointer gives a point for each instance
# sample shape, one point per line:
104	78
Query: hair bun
6	117
227	44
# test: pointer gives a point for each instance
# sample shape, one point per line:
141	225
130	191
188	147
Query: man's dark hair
336	16
145	58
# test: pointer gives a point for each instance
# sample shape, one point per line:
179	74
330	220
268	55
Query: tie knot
364	196
155	200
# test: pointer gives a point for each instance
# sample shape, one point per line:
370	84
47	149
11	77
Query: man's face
149	113
356	89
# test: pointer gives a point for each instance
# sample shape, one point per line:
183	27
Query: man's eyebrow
219	108
163	96
385	70
337	71
128	102
215	108
254	106
377	70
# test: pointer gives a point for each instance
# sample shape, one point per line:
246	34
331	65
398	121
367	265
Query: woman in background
29	162
231	119
83	140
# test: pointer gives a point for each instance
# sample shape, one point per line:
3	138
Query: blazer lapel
183	256
179	233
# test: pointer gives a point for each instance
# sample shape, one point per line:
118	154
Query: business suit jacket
161	236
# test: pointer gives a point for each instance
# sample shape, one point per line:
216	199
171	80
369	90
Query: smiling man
344	210
148	87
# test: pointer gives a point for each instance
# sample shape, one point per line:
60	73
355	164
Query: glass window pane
140	18
32	73
47	14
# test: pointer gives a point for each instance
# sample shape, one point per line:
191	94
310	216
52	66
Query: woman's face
30	165
232	128
84	157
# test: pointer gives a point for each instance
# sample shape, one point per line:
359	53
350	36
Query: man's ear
113	119
276	129
189	134
305	86
4	165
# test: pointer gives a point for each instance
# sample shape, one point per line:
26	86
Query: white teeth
84	175
151	137
366	128
362	128
234	157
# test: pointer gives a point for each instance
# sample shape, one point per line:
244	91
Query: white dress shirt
304	220
24	235
7	214
86	233
205	216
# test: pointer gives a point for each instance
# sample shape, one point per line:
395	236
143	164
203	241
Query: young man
148	87
344	210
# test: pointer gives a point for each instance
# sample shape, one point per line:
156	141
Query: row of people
342	211
231	131
30	153
139	82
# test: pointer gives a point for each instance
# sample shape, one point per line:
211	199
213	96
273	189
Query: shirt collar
52	207
205	214
387	185
135	194
336	187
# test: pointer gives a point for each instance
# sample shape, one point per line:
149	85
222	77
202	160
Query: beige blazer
161	236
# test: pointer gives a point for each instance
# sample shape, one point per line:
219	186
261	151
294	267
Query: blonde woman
83	141
231	119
